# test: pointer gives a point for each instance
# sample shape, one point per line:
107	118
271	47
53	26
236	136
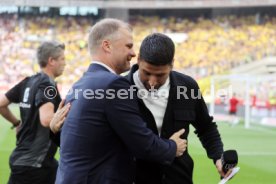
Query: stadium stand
211	46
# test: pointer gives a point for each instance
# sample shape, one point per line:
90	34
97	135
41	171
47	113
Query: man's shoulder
100	79
182	79
34	80
102	76
40	79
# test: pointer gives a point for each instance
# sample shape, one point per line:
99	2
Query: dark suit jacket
102	133
181	111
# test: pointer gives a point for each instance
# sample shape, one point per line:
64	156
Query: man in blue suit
103	129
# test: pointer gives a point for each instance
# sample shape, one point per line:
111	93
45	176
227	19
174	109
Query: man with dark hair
32	161
167	110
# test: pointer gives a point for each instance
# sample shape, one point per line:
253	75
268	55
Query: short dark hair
157	49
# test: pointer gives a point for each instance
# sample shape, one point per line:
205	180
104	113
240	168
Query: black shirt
33	146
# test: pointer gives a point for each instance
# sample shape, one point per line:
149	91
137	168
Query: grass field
256	148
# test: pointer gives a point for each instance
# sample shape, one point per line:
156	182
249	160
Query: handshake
181	144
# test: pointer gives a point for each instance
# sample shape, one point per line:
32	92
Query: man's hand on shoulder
59	117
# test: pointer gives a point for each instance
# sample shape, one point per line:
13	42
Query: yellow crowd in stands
211	46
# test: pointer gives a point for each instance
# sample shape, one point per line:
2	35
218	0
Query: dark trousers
32	175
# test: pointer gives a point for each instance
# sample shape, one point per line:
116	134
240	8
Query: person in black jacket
173	102
32	161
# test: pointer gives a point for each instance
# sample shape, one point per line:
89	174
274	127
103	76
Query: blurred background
228	46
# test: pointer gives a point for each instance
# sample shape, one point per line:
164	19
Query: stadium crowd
211	46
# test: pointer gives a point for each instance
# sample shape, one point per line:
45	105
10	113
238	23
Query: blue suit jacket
103	133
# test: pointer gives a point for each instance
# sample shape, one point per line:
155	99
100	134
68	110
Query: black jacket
182	110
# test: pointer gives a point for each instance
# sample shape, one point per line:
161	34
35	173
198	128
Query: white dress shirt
155	101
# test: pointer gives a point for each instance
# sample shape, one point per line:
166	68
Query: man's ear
172	62
50	61
106	46
138	59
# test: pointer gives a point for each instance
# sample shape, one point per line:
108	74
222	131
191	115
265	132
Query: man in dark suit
175	103
103	129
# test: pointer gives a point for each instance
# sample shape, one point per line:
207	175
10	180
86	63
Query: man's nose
152	81
133	53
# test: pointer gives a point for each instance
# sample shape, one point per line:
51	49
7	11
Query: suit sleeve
124	117
207	130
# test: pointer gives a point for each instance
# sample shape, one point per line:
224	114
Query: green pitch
257	155
256	148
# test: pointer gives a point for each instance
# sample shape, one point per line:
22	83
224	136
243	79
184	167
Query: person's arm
205	128
44	103
57	122
209	136
208	133
125	119
59	117
5	111
46	113
12	96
